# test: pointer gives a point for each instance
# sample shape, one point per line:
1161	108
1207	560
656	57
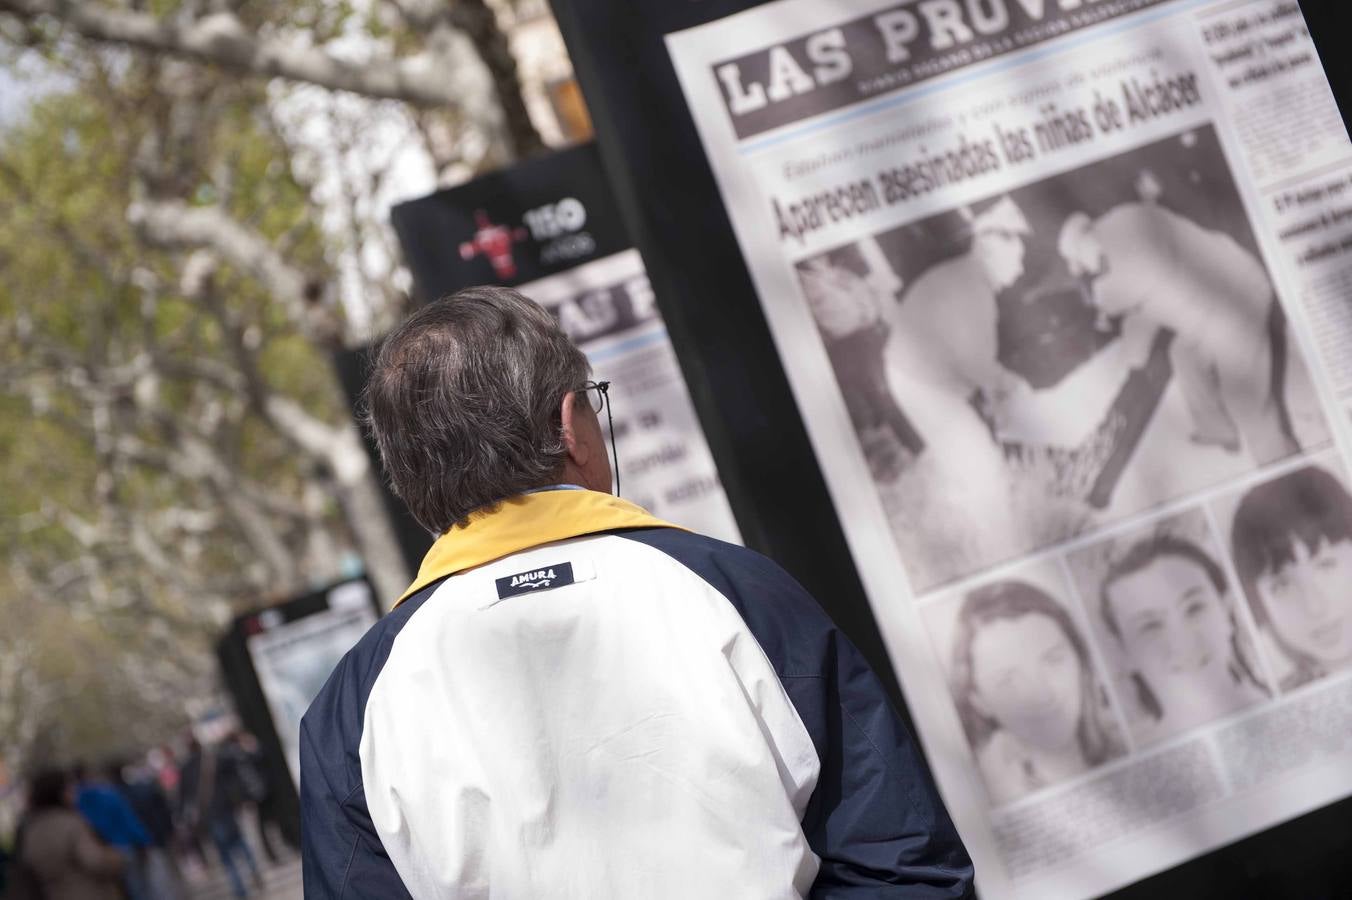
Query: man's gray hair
463	401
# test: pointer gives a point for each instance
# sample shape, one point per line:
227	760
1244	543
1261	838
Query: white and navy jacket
576	700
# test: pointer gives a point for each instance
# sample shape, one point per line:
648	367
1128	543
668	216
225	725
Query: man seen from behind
577	700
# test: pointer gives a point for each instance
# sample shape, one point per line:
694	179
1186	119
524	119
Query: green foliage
84	304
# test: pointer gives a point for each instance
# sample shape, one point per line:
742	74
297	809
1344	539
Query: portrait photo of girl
1291	538
1031	702
1178	651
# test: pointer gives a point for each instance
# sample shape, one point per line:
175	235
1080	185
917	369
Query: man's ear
578	450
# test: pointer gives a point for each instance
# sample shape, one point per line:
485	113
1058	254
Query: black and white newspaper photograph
1172	626
1024	368
1026	684
1291	539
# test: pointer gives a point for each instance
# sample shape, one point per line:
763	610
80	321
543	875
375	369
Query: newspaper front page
1064	292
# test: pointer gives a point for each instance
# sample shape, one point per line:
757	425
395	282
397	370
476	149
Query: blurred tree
193	219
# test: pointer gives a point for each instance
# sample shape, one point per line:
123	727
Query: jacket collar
525	521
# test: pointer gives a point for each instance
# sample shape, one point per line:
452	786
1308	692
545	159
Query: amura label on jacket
541	578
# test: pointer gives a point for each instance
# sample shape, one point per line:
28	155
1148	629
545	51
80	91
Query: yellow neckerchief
526	521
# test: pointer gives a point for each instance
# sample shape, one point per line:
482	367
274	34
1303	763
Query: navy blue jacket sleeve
327	841
875	818
341	853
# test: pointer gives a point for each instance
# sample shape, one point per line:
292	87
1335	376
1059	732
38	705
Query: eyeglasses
597	394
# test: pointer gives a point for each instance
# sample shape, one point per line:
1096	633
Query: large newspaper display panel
1062	288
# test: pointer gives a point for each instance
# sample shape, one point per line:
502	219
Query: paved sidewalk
280	882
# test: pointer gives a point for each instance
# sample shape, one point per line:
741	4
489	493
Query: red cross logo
495	242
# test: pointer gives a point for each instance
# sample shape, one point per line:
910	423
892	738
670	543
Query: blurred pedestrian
188	841
163	764
6	864
142	790
210	794
116	824
59	856
260	790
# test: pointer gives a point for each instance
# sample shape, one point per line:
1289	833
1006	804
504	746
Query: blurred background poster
293	656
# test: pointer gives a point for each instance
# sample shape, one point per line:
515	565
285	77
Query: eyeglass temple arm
610	421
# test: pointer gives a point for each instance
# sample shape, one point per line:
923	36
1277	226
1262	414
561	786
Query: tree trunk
478	21
364	509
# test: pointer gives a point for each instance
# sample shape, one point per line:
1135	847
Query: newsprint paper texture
1064	291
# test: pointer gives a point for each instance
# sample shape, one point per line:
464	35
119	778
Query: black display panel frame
541	217
674	211
251	706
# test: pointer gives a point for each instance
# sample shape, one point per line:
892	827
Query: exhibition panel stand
1019	334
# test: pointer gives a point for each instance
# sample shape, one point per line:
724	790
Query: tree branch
478	21
173	223
222	39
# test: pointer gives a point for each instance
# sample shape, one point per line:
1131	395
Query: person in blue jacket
116	824
575	699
